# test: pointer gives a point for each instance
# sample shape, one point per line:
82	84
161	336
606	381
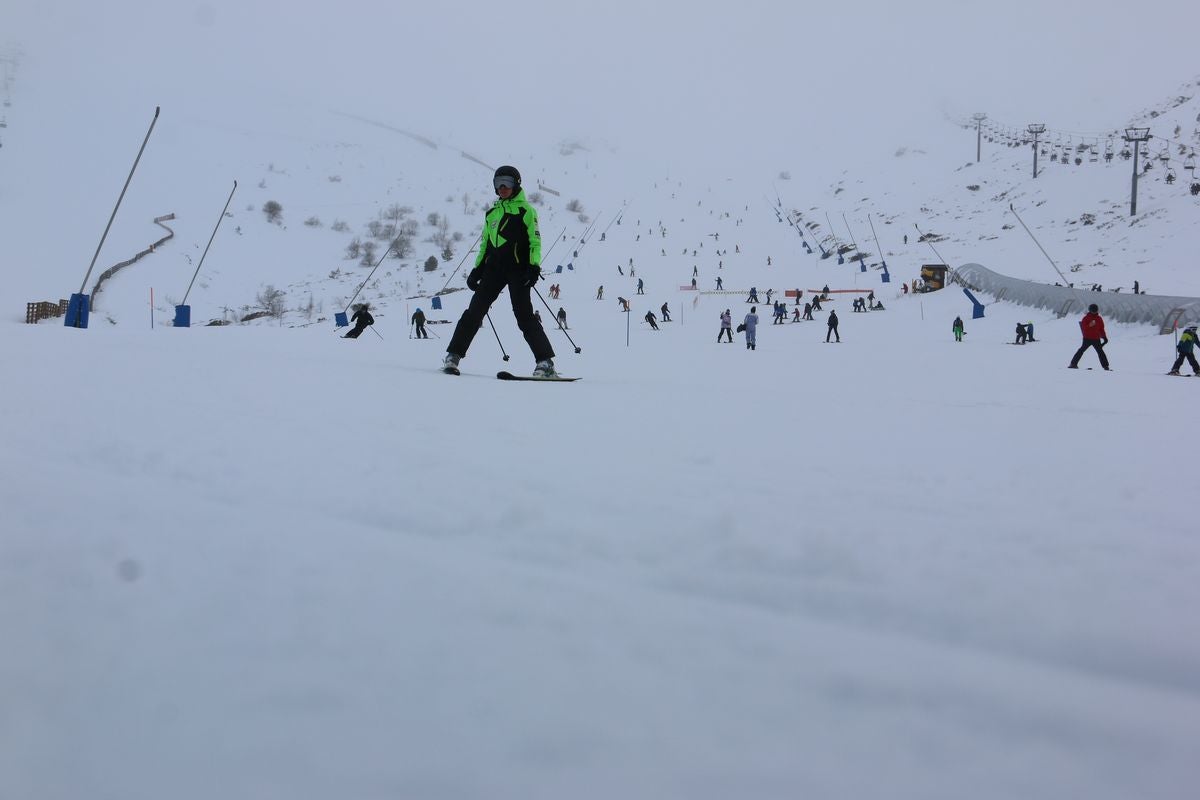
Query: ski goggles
504	181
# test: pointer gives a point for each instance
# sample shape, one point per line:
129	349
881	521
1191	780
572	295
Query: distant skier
640	287
623	303
666	312
362	320
769	293
1186	349
1092	326
600	292
562	317
651	320
958	329
832	327
719	283
1020	333
796	314
799	294
753	298
1029	332
418	321
750	323
695	270
807	311
726	326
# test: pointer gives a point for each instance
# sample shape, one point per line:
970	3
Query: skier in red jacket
1092	326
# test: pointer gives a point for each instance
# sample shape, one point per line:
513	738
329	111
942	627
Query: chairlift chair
1108	151
1170	176
1190	164
1093	154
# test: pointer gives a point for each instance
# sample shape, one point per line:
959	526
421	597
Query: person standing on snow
418	320
666	312
640	285
726	326
1092	326
1020	333
510	256
832	329
750	323
958	329
719	283
1185	348
1029	332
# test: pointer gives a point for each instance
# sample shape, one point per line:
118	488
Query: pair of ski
508	376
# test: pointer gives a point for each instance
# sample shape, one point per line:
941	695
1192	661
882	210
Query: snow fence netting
1160	310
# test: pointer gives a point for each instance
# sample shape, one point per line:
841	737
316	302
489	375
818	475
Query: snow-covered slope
263	561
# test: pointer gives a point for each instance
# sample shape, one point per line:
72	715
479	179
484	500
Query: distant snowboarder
666	312
832	327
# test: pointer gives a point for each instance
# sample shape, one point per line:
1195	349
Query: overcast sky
715	81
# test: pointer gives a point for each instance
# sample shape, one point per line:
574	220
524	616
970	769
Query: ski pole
578	349
377	333
489	319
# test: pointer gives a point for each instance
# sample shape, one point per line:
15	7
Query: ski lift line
616	217
220	219
847	223
1039	245
452	274
877	247
950	269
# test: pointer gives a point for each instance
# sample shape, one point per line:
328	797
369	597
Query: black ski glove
474	279
531	276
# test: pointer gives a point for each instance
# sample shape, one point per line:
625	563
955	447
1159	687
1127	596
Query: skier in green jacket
510	255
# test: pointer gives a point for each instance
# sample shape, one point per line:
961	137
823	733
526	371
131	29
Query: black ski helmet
1095	309
510	172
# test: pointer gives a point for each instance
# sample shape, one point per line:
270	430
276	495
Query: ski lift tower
1036	130
1137	136
979	118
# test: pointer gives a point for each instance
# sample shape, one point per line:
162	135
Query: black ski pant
1191	359
421	334
1083	348
353	334
494	281
832	332
725	332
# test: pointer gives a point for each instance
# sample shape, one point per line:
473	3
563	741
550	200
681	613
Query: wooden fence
44	310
